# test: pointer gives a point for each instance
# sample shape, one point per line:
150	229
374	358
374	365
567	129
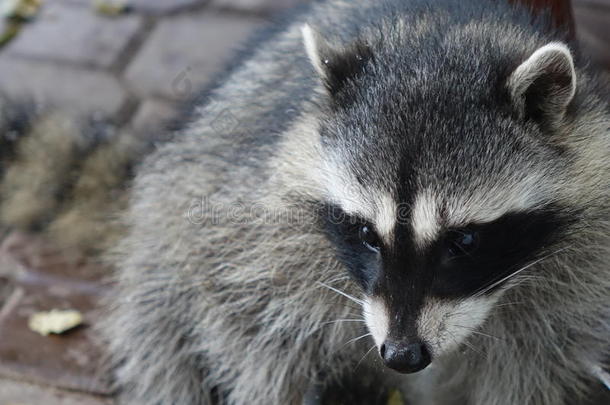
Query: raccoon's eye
369	238
463	243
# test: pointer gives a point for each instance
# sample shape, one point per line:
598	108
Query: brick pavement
133	69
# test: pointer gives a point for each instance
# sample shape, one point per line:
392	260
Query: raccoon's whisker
542	281
356	339
471	347
476	332
514	273
506	304
349	305
346	295
366	312
477	351
337	279
344	320
465	343
363	357
352	306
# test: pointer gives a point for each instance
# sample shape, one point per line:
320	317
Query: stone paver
75	34
163	6
256	6
71	88
21	393
29	259
70	360
186	52
46	279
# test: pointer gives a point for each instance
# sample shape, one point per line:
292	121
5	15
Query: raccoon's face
440	186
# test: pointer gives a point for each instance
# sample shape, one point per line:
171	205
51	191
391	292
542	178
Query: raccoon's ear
543	86
334	65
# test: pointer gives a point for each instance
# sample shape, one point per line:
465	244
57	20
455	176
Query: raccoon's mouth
405	357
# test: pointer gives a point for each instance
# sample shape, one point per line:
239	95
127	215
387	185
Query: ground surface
134	69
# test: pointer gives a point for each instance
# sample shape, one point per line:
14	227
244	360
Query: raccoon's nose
405	357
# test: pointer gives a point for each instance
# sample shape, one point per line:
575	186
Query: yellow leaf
395	398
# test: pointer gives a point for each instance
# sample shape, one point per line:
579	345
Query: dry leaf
110	8
395	398
55	321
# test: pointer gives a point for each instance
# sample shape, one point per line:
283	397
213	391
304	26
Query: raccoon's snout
405	357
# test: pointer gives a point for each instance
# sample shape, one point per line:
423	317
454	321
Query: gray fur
208	300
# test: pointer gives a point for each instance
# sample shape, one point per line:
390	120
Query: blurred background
132	62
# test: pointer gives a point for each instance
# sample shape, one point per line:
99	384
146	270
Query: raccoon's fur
63	176
443	164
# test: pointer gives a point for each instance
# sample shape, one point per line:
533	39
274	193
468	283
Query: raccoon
413	193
